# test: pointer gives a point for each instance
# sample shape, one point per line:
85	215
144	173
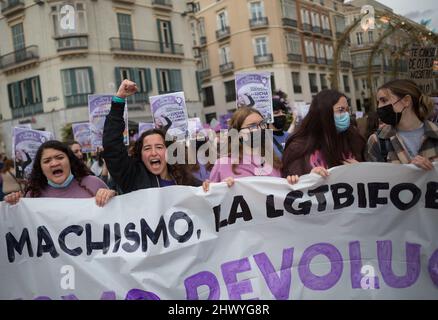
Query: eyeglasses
342	110
262	125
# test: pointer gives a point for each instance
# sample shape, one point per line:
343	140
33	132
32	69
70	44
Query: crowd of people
399	132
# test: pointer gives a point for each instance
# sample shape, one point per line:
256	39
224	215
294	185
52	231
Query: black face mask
388	115
279	122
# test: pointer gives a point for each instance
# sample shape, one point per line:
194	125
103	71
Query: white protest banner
420	67
99	105
82	134
368	231
254	90
25	144
171	108
194	126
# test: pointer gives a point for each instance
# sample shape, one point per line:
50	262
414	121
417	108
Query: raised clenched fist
126	89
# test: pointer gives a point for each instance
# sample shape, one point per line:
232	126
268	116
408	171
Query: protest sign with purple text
82	134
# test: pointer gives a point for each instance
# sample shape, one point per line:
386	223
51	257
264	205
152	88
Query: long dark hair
180	172
38	181
317	131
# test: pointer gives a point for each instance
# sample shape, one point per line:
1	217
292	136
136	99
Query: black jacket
129	174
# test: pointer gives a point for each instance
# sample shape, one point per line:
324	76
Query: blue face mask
342	121
65	184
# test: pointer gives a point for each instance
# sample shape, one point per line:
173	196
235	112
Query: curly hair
38	181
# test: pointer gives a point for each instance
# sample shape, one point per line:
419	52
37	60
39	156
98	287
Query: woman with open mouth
147	167
58	173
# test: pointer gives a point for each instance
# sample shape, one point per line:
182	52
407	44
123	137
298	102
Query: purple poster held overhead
82	134
254	90
170	109
25	144
144	126
99	105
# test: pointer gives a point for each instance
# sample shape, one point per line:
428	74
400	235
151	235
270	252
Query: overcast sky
415	9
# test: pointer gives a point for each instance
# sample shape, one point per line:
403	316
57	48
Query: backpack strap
383	144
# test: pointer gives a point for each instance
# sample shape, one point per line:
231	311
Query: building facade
49	64
292	39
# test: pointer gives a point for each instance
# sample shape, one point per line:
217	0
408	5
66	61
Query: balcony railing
226	67
77	100
298	89
330	62
311	59
339	34
134	45
256	23
327	32
307	27
27	54
137	101
290	22
230	97
316	29
205	73
223	33
345	64
125	1
293	57
203	40
10	7
321	61
72	43
162	4
267	58
313	89
28	110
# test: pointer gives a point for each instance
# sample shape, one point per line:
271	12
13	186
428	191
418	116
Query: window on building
257	10
296	82
325	22
289	9
125	31
165	35
313	83
18	37
204	60
346	83
370	36
310	49
208	96
293	43
169	80
222	20
339	23
24	93
201	26
77	83
323	80
224	55
230	90
315	19
261	46
329	51
141	76
359	38
305	16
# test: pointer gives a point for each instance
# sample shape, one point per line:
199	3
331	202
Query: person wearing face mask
324	139
407	136
147	167
254	159
58	173
279	135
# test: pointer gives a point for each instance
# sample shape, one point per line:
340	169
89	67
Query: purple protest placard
224	119
99	105
170	109
254	90
25	144
82	134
